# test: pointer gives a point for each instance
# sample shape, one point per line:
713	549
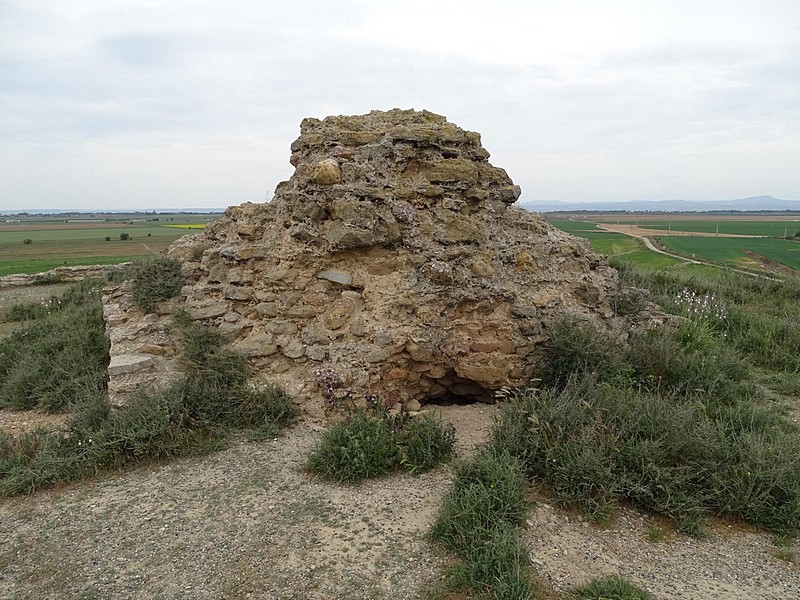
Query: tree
124	236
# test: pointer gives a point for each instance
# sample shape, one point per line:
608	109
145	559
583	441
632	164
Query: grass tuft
361	447
611	588
155	279
576	346
367	445
425	442
479	521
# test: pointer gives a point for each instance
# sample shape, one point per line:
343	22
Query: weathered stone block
450	170
293	349
237	292
267	309
256	345
336	277
209	309
129	363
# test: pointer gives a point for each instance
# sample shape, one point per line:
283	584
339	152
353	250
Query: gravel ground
732	563
245	522
248	522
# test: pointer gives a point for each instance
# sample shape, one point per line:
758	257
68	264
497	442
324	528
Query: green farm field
743	224
572	225
36	244
753	253
710	226
734	251
616	245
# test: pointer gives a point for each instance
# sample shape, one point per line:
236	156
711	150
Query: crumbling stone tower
393	263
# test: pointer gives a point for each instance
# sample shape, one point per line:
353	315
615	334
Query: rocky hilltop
393	263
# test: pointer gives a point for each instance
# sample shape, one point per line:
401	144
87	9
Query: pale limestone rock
293	349
336	277
257	344
209	309
128	363
413	405
327	172
62	274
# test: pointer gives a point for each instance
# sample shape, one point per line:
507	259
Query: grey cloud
218	90
144	49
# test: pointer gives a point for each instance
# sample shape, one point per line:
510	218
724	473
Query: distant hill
755	203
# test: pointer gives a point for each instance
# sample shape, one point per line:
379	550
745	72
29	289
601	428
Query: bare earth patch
731	563
17	423
249	522
768	264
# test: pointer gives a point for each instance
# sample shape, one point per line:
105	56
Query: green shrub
115	276
34	460
61	358
596	443
425	442
358	448
79	294
263	407
687	362
368	445
630	301
26	311
759	318
553	433
498	567
577	347
611	588
155	279
488	493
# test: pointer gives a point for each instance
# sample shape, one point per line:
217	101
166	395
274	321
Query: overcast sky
108	104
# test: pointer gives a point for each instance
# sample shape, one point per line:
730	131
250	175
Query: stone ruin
393	263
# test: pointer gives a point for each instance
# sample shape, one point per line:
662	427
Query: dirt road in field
641	234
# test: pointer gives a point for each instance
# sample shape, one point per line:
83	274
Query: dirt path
248	522
638	233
